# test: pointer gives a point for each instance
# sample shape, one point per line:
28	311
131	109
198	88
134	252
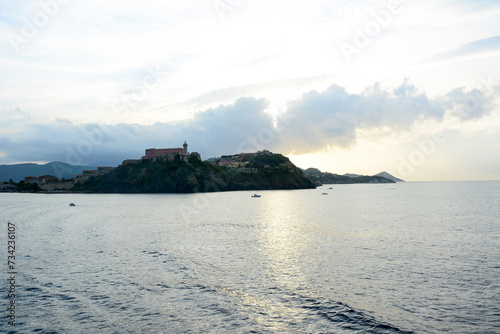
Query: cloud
480	45
212	132
469	105
484	47
314	122
331	118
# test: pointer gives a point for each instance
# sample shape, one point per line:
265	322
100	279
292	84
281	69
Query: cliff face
265	172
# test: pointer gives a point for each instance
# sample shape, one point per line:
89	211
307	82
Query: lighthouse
185	148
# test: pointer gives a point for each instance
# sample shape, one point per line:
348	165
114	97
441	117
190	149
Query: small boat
72	204
330	188
255	195
324	194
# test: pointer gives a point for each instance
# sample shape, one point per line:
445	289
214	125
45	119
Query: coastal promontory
189	174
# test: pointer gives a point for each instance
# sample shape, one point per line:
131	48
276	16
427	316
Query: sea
414	257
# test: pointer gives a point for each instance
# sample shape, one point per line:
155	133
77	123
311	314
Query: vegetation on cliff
272	171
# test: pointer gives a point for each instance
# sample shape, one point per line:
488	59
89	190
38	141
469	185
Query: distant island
175	170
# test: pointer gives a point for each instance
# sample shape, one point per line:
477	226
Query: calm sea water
411	257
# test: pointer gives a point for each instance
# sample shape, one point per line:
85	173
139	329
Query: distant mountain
329	178
61	170
389	176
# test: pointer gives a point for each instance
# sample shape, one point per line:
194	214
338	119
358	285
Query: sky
408	87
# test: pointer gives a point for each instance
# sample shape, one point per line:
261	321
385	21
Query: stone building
168	154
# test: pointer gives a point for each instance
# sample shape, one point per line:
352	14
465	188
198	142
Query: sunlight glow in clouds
418	68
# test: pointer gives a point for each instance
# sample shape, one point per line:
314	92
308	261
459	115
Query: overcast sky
409	87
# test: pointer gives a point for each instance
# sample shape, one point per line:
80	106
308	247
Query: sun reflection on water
281	239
